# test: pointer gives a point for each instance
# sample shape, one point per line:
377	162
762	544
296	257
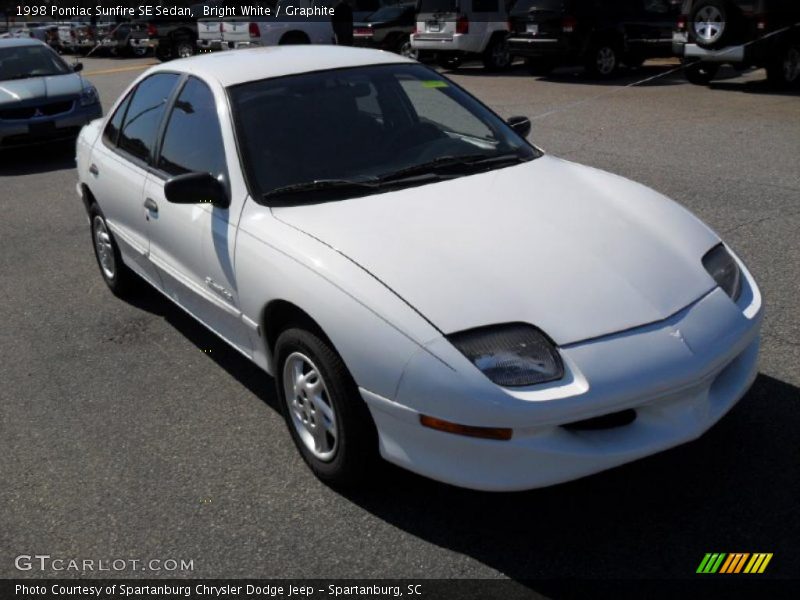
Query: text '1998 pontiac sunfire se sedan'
423	283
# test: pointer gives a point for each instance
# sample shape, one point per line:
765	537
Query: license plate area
532	28
433	26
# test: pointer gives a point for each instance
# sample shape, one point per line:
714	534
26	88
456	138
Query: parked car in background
388	28
458	30
232	33
741	33
171	37
599	34
42	99
47	33
119	41
80	36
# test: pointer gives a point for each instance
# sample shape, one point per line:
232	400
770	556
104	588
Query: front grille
609	421
44	110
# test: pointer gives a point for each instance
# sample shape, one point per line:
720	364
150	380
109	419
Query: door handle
151	205
94	170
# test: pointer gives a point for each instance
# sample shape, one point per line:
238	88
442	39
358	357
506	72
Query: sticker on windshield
435	83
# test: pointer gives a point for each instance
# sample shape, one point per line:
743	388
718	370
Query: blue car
42	99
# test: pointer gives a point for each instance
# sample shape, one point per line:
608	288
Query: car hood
40	88
575	251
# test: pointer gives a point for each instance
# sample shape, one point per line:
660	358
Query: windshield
21	62
369	125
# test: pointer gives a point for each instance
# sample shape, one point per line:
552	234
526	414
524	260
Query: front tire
118	277
327	419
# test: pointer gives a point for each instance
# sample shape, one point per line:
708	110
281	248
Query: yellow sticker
434	84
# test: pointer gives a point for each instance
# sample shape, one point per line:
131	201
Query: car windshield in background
349	132
22	62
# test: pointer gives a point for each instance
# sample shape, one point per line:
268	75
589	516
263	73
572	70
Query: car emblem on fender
38	113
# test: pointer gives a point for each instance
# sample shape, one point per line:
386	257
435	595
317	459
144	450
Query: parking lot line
120	69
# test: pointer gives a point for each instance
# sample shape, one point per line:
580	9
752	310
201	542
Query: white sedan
423	283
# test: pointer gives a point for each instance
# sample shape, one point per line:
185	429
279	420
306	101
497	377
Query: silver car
42	99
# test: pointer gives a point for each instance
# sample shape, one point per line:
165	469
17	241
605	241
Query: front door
192	245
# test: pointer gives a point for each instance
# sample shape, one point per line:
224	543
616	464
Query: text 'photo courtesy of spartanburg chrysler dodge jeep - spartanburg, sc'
424	284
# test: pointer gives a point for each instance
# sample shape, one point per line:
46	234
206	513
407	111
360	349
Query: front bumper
680	376
42	130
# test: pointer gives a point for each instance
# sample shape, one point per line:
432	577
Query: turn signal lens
487	433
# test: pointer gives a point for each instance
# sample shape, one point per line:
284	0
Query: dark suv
742	33
601	34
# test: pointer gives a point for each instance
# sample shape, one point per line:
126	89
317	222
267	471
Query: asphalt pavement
129	431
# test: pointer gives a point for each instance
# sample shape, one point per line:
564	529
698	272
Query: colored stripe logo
736	562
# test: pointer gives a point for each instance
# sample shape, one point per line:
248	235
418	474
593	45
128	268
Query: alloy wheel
105	251
312	411
606	60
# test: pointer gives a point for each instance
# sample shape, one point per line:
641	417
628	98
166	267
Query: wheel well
297	37
87	197
280	315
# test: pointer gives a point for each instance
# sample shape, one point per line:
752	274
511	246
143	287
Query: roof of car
241	66
16	42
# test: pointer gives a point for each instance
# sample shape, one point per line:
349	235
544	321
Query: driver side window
193	138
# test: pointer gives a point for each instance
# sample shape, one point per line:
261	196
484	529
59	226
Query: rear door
120	163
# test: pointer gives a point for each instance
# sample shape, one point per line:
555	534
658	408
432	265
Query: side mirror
77	67
522	125
196	188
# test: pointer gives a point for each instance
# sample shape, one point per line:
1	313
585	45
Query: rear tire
783	72
404	48
701	73
183	48
328	420
602	59
163	52
496	56
118	277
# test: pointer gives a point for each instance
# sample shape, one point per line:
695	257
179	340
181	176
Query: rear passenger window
193	139
111	132
144	114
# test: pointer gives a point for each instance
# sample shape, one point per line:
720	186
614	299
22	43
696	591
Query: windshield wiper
466	161
323	185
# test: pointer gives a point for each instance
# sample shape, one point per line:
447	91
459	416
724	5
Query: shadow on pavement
32	160
733	490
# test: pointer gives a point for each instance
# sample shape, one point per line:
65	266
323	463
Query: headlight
89	96
510	355
724	269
